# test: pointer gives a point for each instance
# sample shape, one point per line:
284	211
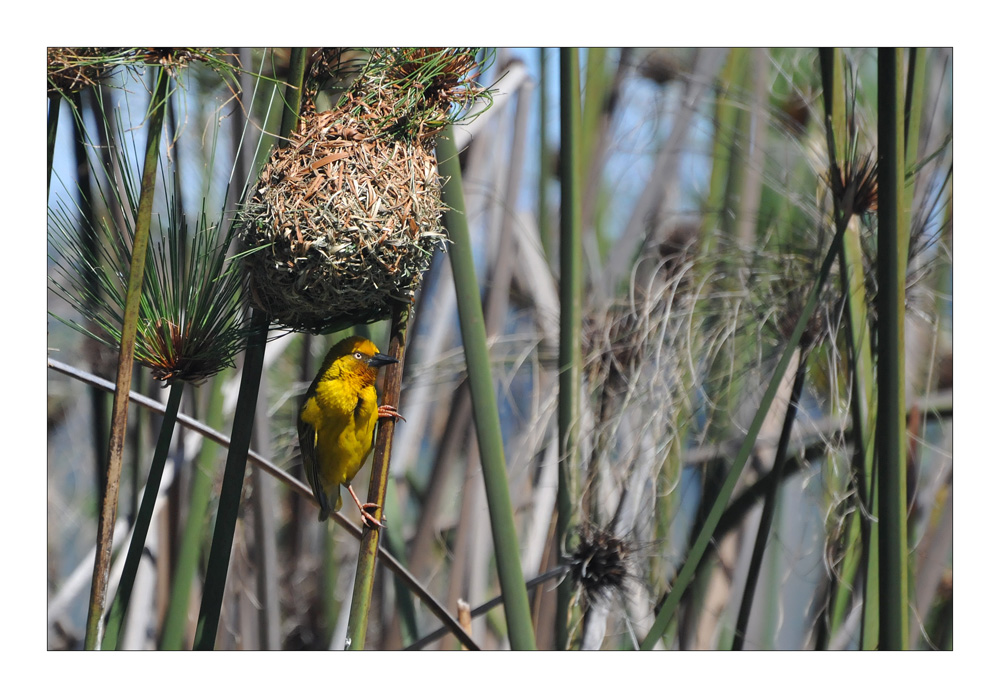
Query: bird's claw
368	519
389	411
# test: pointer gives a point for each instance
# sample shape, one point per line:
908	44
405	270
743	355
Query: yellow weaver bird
337	422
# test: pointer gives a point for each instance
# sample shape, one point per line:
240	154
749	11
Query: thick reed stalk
859	552
893	241
189	555
246	406
484	405
570	290
145	515
119	410
364	579
55	102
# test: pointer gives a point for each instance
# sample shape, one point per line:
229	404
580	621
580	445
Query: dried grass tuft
72	69
599	563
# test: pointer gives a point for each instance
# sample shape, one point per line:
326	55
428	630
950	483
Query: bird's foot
389	411
366	517
370	520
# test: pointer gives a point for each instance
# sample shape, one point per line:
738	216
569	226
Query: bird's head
359	356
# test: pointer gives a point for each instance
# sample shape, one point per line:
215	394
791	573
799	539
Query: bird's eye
358	355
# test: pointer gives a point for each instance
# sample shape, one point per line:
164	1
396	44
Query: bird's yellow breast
343	411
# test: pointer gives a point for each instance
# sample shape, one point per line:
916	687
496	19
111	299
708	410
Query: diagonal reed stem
770	504
299	487
707	532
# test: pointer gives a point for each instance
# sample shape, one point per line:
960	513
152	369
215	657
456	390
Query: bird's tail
324	505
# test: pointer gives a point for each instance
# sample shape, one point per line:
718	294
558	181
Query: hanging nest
342	223
346	217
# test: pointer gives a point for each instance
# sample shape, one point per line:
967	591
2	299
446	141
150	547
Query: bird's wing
307	445
357	414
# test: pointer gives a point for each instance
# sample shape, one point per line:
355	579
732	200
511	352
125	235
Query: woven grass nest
345	222
346	217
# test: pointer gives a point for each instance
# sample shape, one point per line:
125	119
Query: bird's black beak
381	360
